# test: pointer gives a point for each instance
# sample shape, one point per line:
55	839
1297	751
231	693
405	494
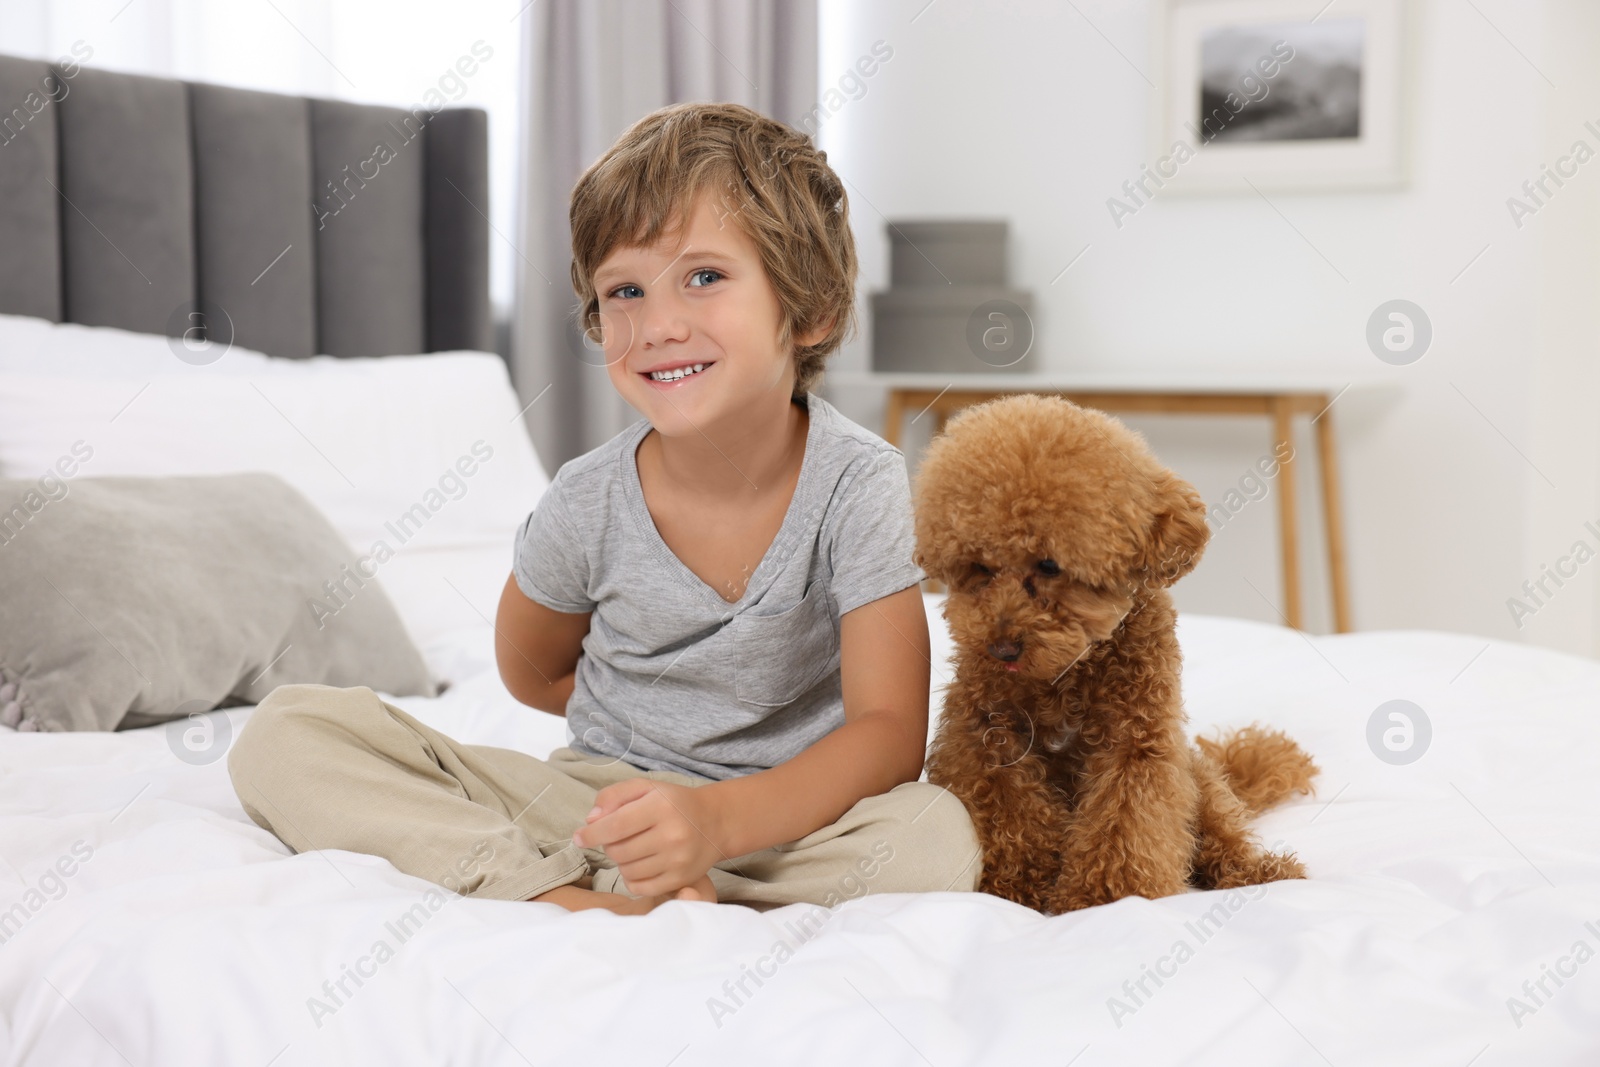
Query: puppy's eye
977	573
1048	567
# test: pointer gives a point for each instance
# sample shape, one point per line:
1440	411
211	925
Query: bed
1452	916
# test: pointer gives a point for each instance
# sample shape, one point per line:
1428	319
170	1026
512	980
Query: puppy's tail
1262	766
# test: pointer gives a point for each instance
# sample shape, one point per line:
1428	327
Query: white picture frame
1317	126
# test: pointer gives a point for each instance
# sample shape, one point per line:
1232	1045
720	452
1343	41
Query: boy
721	599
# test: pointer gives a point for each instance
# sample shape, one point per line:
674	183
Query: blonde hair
770	179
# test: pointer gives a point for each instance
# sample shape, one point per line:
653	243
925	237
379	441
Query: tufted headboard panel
289	225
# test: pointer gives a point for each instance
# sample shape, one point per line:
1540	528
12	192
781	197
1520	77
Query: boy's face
702	298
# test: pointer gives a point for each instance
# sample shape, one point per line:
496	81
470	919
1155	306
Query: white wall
1566	390
1026	111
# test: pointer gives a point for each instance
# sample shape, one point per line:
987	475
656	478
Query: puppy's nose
1005	650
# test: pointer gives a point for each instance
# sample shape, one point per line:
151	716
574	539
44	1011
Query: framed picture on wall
1280	94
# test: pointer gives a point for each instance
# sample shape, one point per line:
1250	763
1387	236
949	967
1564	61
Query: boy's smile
670	375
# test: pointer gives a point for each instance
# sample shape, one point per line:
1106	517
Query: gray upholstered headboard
307	226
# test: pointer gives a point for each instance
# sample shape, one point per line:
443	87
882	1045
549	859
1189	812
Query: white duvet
1452	916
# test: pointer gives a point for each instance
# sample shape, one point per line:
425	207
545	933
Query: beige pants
323	767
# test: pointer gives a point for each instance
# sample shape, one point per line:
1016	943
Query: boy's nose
656	325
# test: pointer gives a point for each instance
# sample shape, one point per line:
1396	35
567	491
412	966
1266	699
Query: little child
721	599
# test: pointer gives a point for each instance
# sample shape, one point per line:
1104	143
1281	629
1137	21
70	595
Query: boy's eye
716	276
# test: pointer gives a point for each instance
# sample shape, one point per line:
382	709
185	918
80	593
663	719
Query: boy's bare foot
702	890
574	898
577	896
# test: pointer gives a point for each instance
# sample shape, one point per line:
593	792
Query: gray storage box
947	252
948	309
983	329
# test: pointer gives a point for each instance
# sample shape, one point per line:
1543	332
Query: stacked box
948	308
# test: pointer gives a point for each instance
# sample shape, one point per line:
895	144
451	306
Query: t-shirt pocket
778	657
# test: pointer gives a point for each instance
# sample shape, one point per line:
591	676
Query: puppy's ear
1177	534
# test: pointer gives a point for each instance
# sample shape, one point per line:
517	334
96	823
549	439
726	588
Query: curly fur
1063	730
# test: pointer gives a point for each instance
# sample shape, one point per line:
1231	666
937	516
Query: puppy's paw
1279	867
1257	869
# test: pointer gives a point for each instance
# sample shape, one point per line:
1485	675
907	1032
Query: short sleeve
549	563
874	535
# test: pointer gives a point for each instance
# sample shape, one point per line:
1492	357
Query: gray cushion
368	169
128	220
458	232
132	601
30	269
138	202
252	172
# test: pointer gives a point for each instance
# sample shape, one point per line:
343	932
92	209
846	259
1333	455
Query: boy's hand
661	836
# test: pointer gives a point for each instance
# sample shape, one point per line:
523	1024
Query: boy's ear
816	333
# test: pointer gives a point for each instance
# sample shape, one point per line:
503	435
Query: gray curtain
591	69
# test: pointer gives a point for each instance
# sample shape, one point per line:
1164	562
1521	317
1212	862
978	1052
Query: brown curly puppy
1057	533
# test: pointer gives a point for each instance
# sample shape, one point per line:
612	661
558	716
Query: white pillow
423	456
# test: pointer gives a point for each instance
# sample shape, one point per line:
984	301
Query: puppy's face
1046	520
1027	614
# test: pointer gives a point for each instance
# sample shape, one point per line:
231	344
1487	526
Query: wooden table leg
894	413
1289	540
1328	455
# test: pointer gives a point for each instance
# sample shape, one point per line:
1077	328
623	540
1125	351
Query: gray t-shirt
672	676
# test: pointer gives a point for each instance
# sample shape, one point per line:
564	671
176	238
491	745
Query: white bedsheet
189	936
